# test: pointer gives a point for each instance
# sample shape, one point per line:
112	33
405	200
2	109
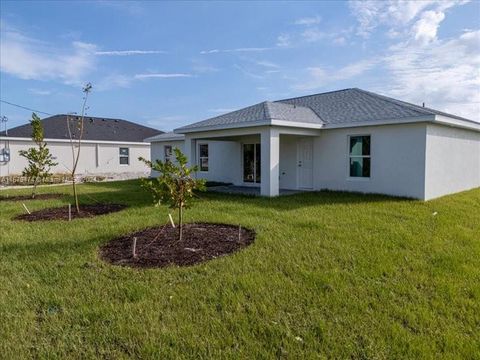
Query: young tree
175	184
75	132
39	158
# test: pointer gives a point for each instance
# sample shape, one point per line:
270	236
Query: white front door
305	163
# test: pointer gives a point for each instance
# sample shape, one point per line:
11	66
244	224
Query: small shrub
175	185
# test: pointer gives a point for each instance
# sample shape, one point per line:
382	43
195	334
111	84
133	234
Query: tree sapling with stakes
75	129
175	184
39	158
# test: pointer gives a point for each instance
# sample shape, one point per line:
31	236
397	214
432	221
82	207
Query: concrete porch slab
246	190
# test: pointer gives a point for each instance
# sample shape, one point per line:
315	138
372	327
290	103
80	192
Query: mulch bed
61	213
29	197
159	246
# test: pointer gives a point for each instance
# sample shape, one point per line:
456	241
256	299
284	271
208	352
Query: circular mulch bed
159	246
61	213
29	197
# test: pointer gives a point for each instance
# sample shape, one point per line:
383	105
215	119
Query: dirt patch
29	197
159	246
61	213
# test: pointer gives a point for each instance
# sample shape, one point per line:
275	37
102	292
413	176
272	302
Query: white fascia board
175	137
296	124
464	124
410	120
75	141
438	119
272	122
222	127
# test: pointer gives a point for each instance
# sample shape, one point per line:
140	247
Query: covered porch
264	159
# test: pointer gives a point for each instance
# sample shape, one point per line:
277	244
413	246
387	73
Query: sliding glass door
251	163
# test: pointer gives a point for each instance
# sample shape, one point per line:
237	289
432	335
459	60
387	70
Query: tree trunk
34	190
75	195
180	223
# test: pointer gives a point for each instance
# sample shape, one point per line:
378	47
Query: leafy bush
175	185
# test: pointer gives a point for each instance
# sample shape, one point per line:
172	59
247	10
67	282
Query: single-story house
109	147
350	140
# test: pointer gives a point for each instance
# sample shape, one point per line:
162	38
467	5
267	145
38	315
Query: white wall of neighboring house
96	158
452	160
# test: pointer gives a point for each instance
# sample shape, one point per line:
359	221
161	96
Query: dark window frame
167	157
122	156
203	161
365	157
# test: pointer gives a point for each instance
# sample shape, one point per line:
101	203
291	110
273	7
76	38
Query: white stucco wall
95	158
223	163
397	160
452	160
416	160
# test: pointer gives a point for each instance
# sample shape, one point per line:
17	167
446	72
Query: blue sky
166	64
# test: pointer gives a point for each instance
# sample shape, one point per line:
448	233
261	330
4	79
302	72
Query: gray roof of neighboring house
168	136
348	106
95	128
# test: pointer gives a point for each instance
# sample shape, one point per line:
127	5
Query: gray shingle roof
264	111
168	136
349	106
101	129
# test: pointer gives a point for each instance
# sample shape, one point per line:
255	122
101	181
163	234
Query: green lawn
330	275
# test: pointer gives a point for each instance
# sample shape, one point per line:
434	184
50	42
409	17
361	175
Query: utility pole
4	120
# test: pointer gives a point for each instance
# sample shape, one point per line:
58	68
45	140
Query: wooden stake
134	250
25	207
69	212
239	232
171	220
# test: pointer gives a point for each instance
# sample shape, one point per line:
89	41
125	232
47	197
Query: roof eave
83	141
270	122
456	122
178	137
222	127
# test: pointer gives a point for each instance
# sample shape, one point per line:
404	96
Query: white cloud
39	92
248	72
30	59
113	81
341	40
317	77
128	52
169	122
372	13
313	35
425	29
222	110
283	40
395	14
444	74
420	67
267	64
162	75
308	20
248	49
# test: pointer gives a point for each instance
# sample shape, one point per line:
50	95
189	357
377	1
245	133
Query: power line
25	108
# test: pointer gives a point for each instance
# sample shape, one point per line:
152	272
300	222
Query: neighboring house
351	140
110	147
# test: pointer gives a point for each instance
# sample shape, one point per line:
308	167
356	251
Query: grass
331	275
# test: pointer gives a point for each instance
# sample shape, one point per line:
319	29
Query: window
124	156
203	158
359	156
167	153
